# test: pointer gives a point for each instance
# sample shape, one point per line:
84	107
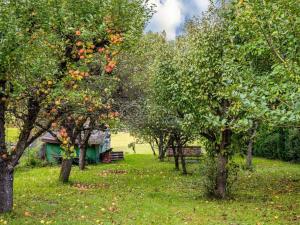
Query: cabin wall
53	151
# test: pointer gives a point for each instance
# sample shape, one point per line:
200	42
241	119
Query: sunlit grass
146	191
121	140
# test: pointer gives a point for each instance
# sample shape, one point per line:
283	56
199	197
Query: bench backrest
187	151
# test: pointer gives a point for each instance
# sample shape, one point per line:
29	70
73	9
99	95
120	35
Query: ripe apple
79	43
81	51
78	33
101	50
112	64
53	110
108	69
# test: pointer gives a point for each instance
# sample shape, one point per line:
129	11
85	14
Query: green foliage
142	116
268	40
55	53
236	64
32	159
279	143
208	171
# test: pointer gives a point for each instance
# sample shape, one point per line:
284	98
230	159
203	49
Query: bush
208	171
280	143
32	159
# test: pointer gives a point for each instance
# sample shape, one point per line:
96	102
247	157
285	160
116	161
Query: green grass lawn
145	191
141	190
121	140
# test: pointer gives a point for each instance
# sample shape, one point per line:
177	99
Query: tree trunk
249	155
176	157
222	161
2	127
6	175
221	179
82	155
250	146
182	159
161	148
65	171
6	188
152	147
281	144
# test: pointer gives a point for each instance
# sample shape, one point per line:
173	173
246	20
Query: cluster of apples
85	50
77	75
44	87
110	66
102	116
107	106
54	110
110	115
88	103
79	120
64	138
110	63
116	38
113	115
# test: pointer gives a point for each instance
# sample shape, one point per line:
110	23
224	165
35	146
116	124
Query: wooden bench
116	156
188	151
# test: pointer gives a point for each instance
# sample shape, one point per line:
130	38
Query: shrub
32	159
208	171
278	143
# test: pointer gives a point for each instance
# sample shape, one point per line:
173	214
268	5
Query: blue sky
171	14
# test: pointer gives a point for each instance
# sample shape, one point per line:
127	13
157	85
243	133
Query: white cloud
167	17
170	14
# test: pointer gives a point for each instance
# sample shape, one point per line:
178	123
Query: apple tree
46	49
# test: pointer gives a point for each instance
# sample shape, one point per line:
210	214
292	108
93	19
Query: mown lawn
120	141
141	190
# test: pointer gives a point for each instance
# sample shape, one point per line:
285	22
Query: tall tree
212	89
42	53
228	64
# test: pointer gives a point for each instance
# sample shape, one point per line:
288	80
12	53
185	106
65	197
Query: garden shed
51	150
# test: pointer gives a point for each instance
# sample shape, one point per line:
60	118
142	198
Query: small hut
51	150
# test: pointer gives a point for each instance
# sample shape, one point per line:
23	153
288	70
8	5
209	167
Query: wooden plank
115	156
192	151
